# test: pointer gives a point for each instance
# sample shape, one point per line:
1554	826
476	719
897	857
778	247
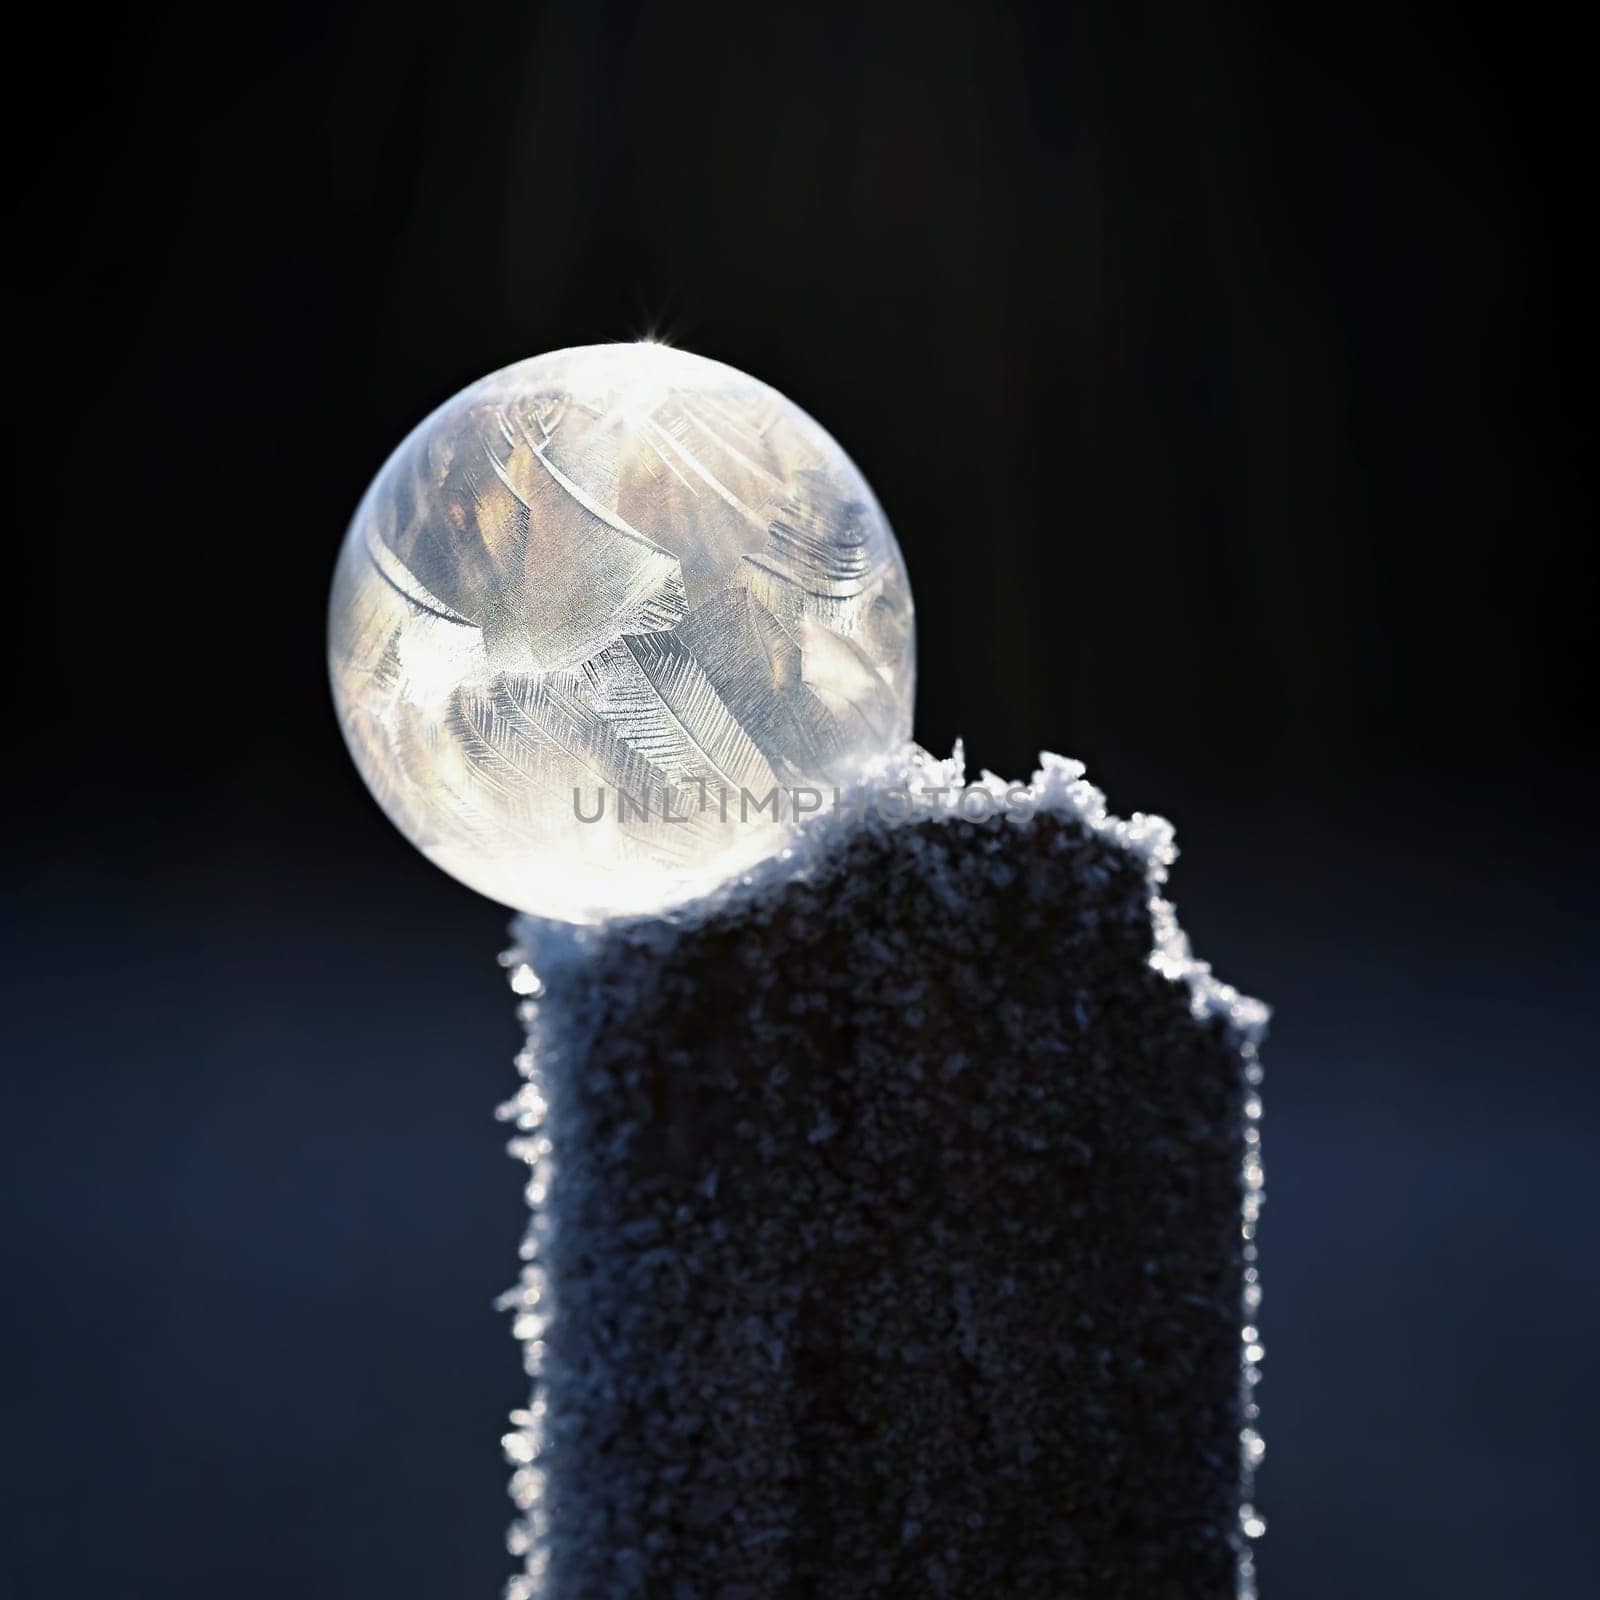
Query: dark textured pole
892	1225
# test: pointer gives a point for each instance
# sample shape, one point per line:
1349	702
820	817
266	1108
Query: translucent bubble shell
607	620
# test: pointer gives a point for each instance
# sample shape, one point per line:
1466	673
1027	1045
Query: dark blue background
1227	383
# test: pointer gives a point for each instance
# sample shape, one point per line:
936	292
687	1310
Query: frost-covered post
892	1221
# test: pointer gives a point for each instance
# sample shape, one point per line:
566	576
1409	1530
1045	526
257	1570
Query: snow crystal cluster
894	1217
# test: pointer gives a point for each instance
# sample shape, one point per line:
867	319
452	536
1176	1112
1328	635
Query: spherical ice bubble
607	620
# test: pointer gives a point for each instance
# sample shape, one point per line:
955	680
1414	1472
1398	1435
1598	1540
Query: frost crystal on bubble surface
595	598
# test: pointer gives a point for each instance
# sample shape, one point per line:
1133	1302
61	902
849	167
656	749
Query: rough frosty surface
893	1225
593	599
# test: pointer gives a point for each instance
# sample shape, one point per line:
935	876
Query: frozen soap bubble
602	616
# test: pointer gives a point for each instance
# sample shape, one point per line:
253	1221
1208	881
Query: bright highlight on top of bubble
597	611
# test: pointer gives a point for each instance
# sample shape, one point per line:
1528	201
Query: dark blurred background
1227	377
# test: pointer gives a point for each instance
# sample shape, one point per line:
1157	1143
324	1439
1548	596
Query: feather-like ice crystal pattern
602	616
